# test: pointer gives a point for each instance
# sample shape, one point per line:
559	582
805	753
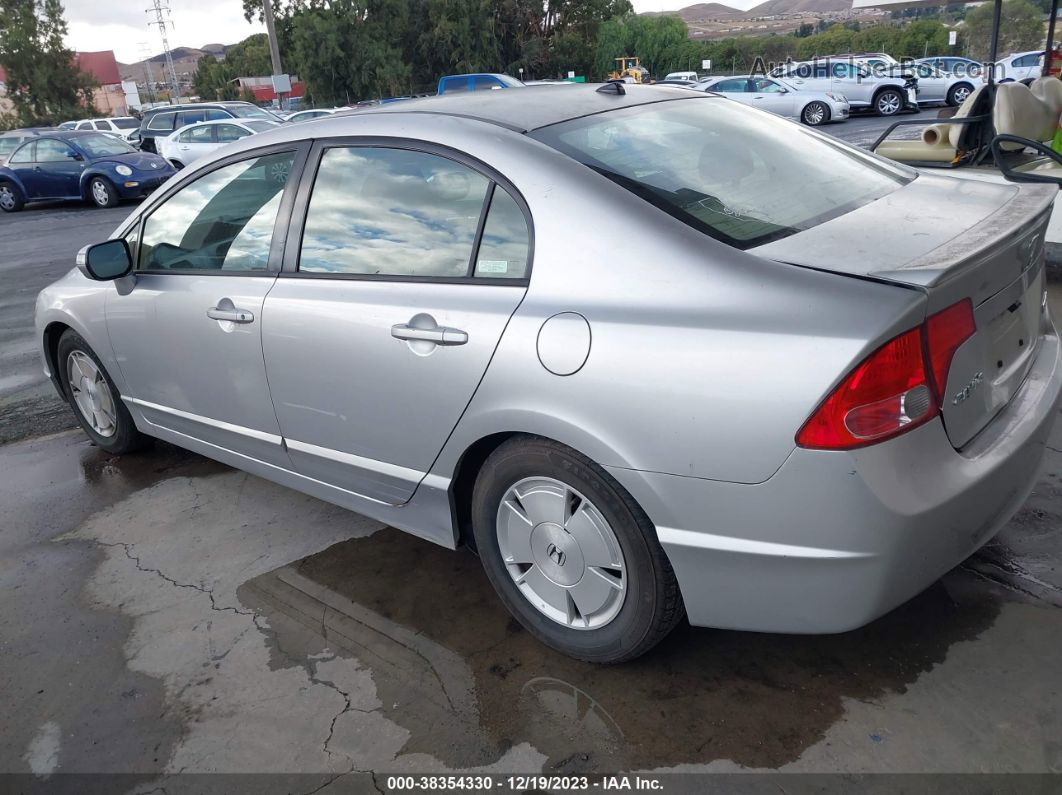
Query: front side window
764	86
51	151
192	117
162	122
221	221
740	176
731	86
392	212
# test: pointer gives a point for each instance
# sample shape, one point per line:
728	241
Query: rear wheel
102	192
959	93
570	554
11	200
815	113
888	102
94	398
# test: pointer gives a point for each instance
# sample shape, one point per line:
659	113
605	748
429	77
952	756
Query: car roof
533	107
197	106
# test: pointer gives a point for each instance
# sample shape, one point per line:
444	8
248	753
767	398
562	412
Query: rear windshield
9	143
260	126
125	123
250	112
737	174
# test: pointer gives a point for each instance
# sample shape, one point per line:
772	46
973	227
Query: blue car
484	81
79	165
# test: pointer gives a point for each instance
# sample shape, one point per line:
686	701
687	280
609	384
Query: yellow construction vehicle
629	66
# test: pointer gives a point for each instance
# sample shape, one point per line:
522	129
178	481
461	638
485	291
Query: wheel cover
813	113
889	103
562	553
7	197
961	94
92	394
99	192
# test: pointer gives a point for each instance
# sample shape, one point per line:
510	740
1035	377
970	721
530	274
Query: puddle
452	667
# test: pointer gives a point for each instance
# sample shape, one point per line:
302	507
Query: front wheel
94	398
102	192
570	554
889	102
11	200
815	113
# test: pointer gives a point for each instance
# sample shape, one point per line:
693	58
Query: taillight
894	389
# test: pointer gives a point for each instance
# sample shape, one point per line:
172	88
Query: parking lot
162	613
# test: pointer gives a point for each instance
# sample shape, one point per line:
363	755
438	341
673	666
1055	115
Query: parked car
452	84
955	65
811	107
12	139
67	125
78	166
160	122
1020	67
694	84
709	408
885	94
692	77
316	113
123	126
190	143
934	85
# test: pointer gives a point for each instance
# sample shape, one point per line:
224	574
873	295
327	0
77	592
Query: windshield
737	174
260	126
126	123
104	145
250	112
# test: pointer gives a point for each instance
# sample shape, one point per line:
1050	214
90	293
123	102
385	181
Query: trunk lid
952	239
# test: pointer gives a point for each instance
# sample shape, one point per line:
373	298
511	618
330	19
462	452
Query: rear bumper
833	540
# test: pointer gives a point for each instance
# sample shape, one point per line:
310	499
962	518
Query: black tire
953	93
815	113
652	605
102	193
125	438
889	102
11	198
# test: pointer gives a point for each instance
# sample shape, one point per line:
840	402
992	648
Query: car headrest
969	107
1020	112
1049	90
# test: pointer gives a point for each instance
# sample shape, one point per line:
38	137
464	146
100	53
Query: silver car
775	95
777	389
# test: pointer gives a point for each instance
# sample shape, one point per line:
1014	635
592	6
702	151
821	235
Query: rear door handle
233	315
440	335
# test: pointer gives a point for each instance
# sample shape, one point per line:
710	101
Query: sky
122	25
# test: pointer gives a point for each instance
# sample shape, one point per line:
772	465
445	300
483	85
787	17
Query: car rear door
186	325
195	142
384	319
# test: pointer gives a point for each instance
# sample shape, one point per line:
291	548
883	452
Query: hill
772	7
185	60
701	12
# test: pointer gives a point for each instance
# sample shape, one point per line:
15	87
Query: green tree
43	80
1020	28
213	79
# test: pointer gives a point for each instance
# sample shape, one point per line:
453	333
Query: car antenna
612	87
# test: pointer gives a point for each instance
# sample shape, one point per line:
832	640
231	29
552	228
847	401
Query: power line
161	10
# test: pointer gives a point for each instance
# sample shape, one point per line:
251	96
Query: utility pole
162	12
274	47
145	54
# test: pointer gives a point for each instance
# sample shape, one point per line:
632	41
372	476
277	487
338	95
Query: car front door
384	319
58	168
187	325
772	96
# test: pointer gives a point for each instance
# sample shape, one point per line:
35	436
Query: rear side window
102	125
192	117
213	114
724	169
392	212
221	221
162	122
230	132
503	248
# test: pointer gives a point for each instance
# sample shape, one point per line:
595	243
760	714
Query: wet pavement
163	613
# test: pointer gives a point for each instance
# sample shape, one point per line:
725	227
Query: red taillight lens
886	394
893	390
945	332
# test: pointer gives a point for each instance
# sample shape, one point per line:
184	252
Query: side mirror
106	261
74	155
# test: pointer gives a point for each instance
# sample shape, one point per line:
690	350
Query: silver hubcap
561	553
814	114
961	94
92	395
7	198
99	193
888	104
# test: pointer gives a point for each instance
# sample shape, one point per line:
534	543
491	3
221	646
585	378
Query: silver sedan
779	389
777	96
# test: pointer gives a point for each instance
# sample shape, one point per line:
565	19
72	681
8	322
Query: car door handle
440	335
231	314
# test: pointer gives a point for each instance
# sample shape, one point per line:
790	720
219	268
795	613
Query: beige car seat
939	142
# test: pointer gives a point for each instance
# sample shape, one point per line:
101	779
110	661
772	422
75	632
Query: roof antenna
612	87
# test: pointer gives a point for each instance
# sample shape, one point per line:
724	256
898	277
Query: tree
213	79
43	80
1020	28
805	30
